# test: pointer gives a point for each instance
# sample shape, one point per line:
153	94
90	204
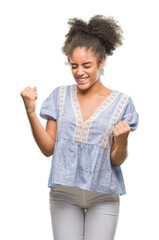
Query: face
85	69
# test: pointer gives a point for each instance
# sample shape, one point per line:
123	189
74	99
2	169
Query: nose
79	72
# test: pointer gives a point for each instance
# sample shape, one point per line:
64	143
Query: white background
32	34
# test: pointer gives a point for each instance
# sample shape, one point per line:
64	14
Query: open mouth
82	80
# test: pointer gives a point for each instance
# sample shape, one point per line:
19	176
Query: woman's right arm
45	138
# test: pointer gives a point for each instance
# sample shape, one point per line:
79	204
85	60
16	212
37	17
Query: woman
87	133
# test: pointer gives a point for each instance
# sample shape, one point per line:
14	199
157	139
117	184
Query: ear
101	64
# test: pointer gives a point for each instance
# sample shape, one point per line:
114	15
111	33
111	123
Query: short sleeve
130	115
49	108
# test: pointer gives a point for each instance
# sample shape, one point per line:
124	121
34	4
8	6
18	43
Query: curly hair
102	34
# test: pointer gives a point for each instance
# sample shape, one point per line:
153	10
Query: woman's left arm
119	151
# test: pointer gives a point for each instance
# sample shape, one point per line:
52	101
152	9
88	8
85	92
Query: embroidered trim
61	104
115	116
82	127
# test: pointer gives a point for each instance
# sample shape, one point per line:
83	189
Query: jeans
79	214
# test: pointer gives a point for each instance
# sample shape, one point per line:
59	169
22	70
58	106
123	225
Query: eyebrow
82	63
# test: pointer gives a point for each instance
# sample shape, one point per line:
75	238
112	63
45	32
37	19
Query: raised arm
45	138
119	151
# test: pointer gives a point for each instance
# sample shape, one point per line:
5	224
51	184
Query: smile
82	80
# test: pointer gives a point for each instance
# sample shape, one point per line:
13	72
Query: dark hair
102	34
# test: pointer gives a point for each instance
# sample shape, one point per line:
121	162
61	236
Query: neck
94	89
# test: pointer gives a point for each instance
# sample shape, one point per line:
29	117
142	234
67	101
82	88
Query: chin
83	86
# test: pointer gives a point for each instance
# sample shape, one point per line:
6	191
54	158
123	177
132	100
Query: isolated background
32	34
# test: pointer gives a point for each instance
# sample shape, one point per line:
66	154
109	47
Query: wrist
31	114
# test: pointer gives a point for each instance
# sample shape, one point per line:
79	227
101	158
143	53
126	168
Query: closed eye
74	67
85	65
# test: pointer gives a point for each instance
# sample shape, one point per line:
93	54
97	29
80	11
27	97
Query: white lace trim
114	119
61	104
82	127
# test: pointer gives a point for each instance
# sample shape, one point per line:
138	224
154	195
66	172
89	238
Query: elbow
118	164
49	150
119	161
48	153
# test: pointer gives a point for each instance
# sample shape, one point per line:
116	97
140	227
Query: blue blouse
81	155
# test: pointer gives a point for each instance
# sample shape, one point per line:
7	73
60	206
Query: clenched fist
121	132
29	96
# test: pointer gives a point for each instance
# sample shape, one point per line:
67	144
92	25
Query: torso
88	104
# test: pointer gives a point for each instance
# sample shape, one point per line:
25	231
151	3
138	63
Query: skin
45	138
84	66
91	93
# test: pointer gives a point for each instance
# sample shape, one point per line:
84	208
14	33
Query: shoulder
121	93
60	87
124	95
68	85
126	101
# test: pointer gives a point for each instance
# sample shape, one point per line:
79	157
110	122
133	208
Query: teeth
82	79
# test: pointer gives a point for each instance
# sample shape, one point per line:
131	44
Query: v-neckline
97	111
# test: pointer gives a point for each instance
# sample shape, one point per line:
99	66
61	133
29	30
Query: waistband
80	197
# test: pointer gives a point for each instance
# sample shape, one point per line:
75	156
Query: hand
121	132
29	96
